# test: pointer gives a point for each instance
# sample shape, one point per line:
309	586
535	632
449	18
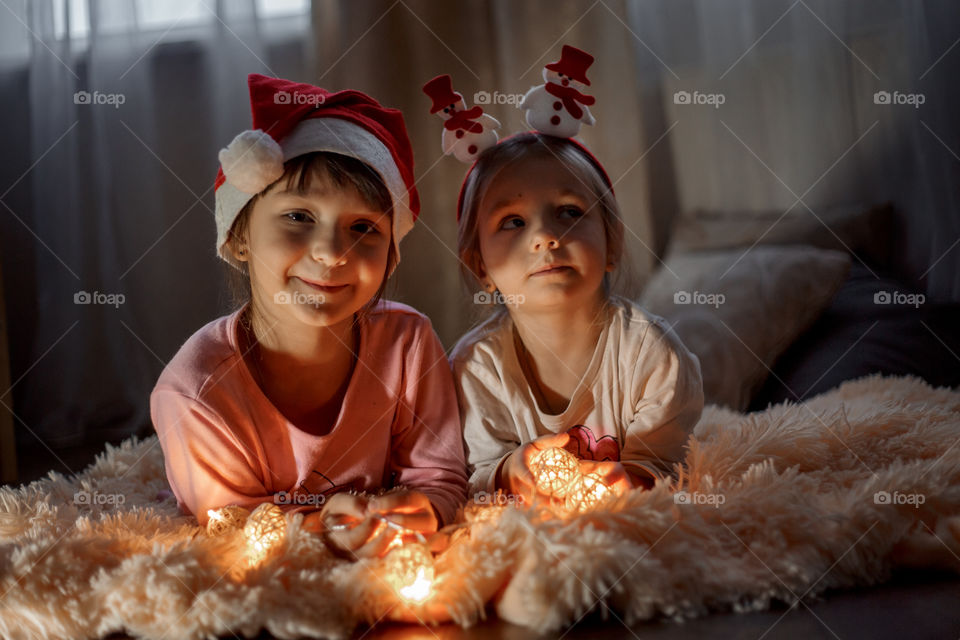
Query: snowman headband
556	108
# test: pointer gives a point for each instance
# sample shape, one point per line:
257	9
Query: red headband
586	152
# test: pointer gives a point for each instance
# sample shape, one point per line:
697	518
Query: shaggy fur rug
779	506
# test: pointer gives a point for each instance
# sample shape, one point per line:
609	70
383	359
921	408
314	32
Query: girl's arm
488	426
427	447
207	466
667	391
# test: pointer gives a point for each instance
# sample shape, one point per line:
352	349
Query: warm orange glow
555	471
265	529
590	493
410	571
225	519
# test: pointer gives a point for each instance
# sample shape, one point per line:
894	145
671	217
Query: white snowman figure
559	107
466	132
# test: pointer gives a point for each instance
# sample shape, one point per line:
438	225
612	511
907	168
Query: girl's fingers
558	440
377	546
352	538
400	501
424	521
613	473
410	510
346	505
438	542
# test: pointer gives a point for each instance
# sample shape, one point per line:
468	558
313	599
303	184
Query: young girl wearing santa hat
315	390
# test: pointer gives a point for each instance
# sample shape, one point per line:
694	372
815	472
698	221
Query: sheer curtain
107	220
97	196
800	119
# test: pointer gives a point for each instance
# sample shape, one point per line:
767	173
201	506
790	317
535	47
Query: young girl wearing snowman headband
315	386
562	362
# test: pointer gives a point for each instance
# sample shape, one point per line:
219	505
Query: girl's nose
328	249
544	237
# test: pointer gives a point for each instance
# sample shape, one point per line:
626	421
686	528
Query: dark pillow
859	334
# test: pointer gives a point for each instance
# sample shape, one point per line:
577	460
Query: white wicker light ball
588	494
265	530
226	519
555	471
409	570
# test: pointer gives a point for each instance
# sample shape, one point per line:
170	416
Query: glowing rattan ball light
410	571
226	519
588	493
265	530
555	471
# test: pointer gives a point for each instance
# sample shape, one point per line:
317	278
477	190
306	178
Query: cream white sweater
642	389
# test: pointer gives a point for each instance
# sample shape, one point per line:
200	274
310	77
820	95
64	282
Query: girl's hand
409	509
354	526
641	480
344	523
516	473
613	474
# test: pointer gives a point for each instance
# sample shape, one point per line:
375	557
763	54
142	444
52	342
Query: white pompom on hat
252	161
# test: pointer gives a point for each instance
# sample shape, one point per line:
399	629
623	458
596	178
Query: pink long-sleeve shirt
225	443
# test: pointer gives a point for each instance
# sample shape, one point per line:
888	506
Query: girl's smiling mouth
322	285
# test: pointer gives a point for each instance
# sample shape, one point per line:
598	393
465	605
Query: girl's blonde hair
342	172
523	146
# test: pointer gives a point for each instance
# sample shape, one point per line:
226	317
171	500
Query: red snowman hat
291	119
573	63
440	90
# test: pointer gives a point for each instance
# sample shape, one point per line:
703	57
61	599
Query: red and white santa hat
291	119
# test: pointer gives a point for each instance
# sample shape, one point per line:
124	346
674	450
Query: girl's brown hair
523	146
343	172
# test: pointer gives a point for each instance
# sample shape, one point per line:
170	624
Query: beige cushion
866	231
739	311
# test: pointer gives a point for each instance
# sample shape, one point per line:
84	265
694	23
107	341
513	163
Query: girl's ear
611	261
484	279
238	250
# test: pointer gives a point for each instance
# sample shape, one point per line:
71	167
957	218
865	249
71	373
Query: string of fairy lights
409	567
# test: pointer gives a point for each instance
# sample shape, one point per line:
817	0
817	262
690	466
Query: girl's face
542	236
318	255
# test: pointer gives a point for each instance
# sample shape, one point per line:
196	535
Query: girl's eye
512	222
364	227
571	211
297	216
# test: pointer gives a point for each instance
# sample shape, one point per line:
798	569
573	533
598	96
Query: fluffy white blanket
778	506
